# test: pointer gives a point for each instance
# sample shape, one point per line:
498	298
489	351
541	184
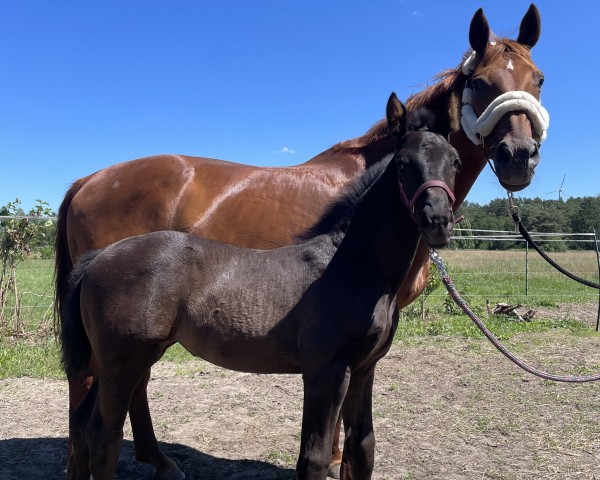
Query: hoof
334	471
173	473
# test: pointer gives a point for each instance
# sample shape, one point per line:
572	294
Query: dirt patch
444	408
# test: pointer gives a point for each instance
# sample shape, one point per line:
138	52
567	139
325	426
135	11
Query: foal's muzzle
435	220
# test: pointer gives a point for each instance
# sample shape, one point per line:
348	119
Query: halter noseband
410	203
477	128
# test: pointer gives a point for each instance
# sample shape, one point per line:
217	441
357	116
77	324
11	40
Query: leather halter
410	203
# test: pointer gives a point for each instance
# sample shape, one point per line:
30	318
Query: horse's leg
78	467
359	445
336	451
324	391
146	445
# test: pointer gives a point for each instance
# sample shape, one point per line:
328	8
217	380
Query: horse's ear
479	32
396	115
444	114
531	27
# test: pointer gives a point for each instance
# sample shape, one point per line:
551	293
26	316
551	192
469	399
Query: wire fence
471	235
482	276
26	274
520	275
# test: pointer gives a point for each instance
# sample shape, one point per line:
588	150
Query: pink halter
410	204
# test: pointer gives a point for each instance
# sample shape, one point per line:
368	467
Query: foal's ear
479	32
396	115
531	27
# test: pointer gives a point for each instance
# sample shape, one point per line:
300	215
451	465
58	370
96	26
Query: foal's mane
339	213
445	81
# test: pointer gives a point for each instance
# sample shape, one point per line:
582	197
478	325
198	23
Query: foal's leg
336	451
324	391
122	368
359	444
104	430
146	445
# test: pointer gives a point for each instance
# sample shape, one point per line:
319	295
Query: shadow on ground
45	458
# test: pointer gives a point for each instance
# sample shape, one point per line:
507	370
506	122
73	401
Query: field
447	405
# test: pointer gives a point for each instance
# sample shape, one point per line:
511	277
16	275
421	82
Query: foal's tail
76	348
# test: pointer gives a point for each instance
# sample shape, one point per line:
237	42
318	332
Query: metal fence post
526	268
598	260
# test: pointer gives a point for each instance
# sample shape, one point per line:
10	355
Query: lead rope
436	259
514	213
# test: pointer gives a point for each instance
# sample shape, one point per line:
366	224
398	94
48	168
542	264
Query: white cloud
287	150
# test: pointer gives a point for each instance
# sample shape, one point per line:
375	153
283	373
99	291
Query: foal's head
427	165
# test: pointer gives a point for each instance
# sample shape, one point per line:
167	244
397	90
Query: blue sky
89	84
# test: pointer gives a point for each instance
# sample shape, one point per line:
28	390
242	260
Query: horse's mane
445	81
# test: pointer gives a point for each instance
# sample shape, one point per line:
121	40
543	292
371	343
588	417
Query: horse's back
141	196
202	196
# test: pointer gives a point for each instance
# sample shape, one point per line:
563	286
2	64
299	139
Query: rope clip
513	211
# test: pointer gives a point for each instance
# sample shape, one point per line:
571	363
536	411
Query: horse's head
501	108
427	165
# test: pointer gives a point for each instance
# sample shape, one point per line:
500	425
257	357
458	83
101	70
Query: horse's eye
456	162
478	83
541	82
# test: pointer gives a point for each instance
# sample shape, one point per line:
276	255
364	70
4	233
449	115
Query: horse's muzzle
515	162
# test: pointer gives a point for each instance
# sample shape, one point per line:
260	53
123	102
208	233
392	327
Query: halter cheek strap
477	128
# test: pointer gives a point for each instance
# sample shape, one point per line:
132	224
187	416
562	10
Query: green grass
479	276
412	327
500	277
40	358
35	358
35	287
177	354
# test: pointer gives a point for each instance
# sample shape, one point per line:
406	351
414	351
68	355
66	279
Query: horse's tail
63	263
76	348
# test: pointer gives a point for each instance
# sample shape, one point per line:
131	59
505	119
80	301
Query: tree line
574	215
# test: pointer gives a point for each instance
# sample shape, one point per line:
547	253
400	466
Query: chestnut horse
324	307
265	207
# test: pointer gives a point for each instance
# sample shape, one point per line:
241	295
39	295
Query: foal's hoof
173	473
334	471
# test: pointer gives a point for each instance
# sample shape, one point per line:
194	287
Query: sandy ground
444	408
